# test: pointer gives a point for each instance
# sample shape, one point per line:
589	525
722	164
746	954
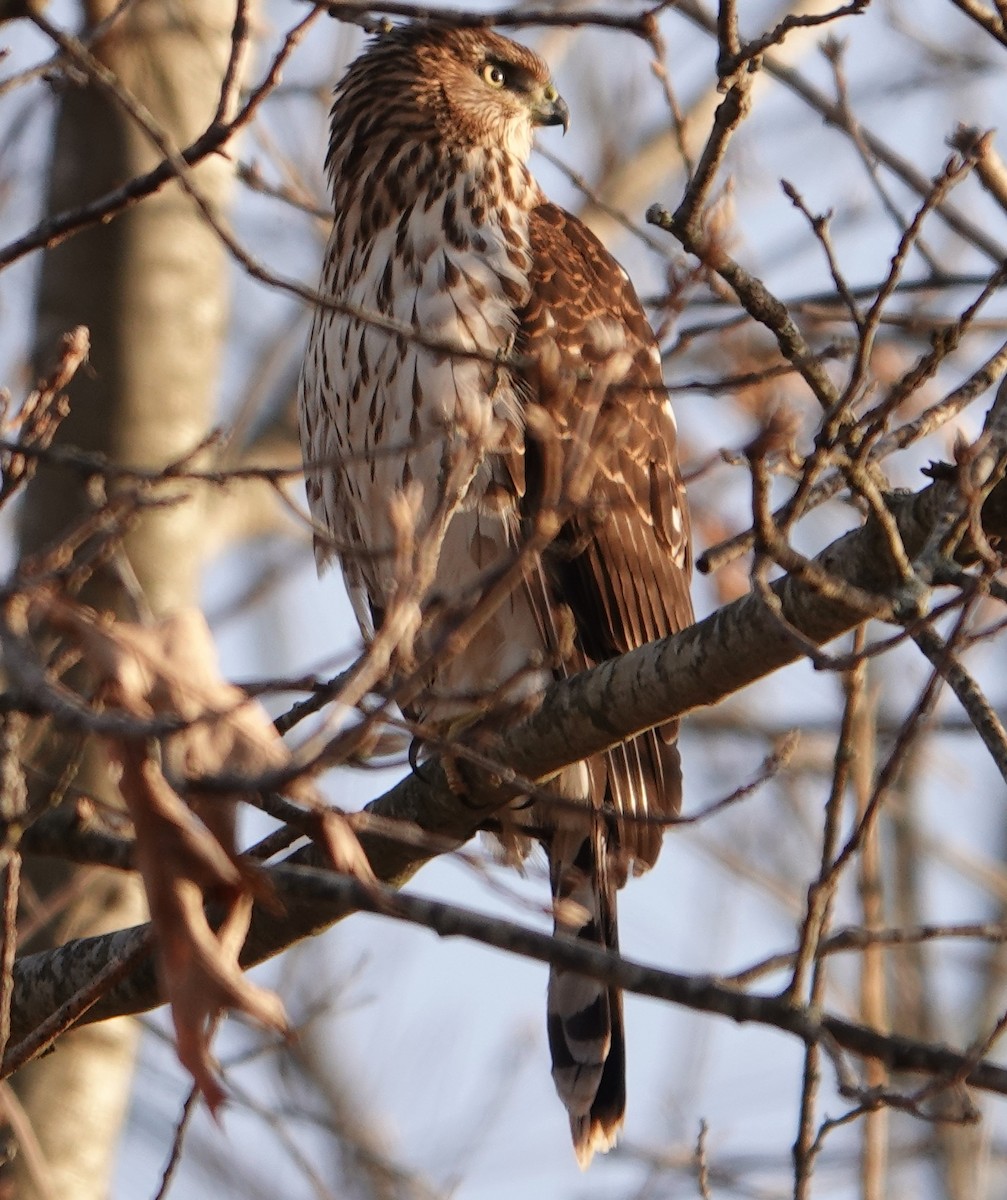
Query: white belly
396	418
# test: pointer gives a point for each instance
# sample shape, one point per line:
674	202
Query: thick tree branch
732	648
322	889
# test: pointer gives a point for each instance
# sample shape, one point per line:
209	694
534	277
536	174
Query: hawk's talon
452	773
418	768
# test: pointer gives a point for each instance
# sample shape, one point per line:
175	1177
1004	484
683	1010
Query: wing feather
622	564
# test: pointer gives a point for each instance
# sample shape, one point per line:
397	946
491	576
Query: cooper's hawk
491	452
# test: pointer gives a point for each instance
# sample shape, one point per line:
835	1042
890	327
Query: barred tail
585	1017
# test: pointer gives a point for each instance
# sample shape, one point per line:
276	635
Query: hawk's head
465	85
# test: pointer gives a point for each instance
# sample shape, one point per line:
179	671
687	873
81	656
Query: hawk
491	453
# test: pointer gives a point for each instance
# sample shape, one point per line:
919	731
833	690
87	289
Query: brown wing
622	564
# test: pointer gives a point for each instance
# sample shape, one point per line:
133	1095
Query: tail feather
590	856
584	1016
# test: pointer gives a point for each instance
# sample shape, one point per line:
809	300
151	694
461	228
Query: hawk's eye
494	75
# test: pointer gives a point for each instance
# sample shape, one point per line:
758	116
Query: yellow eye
494	75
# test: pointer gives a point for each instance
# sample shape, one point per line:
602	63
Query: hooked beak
550	109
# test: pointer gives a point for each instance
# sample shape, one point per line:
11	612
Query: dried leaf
42	412
183	865
186	852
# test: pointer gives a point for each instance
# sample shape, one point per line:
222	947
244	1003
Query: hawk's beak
550	109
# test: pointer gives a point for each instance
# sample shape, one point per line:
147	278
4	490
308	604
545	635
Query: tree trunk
152	288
